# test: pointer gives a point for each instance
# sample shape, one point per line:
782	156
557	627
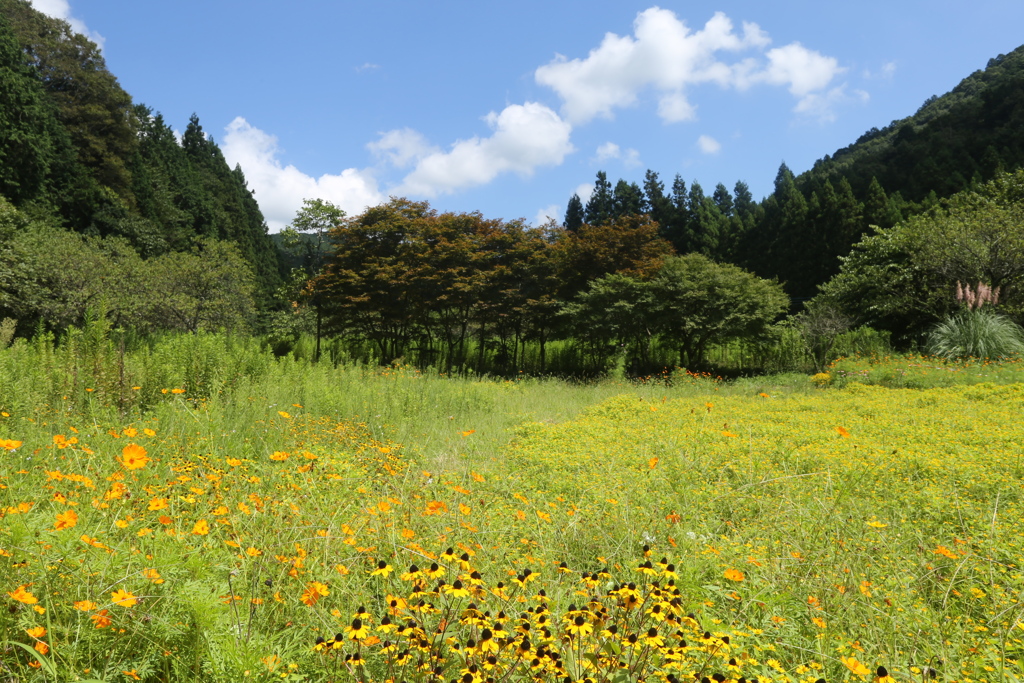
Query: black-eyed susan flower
579	627
457	590
357	631
412	575
435	571
386	625
487	642
382	569
652	638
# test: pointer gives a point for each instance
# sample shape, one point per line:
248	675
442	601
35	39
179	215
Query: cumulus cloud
609	150
552	212
280	189
61	9
822	106
584	192
708	145
666	56
525	137
401	147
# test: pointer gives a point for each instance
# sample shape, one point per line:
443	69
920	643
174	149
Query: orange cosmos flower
36	631
279	456
41	647
100	619
85	605
66	520
843	433
9	444
21	594
734	575
123	598
153	575
133	457
158	504
201	528
314	591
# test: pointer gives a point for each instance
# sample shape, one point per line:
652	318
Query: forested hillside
76	153
797	234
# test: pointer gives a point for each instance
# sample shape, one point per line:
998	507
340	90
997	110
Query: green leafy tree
371	279
211	288
309	235
629	245
702	303
902	278
616	313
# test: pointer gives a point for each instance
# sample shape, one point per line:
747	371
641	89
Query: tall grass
976	333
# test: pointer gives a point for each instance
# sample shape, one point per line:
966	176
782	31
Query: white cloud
609	150
552	212
61	9
822	106
401	147
708	145
525	137
584	192
666	56
887	71
803	70
280	189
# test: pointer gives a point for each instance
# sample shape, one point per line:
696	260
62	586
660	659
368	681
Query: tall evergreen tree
878	209
627	200
601	205
30	135
657	204
574	213
675	231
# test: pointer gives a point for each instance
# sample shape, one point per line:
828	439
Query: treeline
77	153
460	290
789	236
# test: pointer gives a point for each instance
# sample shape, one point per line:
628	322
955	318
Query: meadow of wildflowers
349	524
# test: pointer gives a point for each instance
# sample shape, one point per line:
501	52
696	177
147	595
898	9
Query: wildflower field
310	523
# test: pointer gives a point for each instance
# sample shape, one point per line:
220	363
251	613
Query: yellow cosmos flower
854	666
123	598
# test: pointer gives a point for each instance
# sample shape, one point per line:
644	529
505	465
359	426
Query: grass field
266	529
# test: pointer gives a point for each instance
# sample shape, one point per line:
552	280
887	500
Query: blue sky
509	108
